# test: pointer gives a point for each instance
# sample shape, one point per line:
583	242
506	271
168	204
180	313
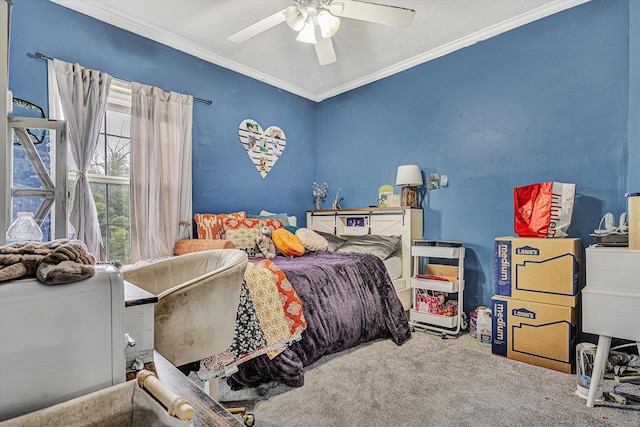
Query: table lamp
409	177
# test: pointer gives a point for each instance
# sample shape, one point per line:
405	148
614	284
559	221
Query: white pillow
293	221
311	240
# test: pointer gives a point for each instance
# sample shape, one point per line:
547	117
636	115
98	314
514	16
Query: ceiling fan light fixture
308	33
328	23
336	7
296	17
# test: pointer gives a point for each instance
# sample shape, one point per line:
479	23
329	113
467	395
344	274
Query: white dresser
610	302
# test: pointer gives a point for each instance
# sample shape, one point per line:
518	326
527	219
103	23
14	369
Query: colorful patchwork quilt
269	319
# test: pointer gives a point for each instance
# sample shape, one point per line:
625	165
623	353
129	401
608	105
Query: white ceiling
365	51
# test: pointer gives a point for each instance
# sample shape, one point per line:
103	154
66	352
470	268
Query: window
109	174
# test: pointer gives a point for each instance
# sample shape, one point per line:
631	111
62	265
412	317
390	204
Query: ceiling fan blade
257	27
324	51
373	12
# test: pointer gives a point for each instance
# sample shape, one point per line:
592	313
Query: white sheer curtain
160	169
83	97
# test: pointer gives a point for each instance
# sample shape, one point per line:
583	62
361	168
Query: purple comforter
347	298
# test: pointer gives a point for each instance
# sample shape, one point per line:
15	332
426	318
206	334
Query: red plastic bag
543	209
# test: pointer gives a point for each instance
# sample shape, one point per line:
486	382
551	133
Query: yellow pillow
287	243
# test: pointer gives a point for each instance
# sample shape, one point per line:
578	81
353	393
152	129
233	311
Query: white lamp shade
328	23
409	175
307	34
295	17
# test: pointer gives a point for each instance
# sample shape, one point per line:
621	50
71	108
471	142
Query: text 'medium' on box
538	269
535	333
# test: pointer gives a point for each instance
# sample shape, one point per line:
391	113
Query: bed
347	299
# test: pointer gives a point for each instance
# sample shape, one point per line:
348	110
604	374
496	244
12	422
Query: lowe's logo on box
523	312
502	267
499	325
528	250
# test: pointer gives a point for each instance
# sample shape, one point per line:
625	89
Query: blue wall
548	101
544	102
224	179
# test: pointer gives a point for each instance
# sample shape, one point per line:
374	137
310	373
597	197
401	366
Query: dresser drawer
611	314
613	270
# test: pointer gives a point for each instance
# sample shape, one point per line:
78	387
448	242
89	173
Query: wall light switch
444	180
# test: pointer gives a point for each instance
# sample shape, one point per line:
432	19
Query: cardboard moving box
534	333
537	269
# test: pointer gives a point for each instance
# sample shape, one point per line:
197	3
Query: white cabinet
610	301
58	342
437	283
405	222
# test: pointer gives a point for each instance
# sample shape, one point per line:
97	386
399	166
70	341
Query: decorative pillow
231	223
244	239
211	226
281	217
334	241
287	243
243	232
186	246
291	218
381	246
311	240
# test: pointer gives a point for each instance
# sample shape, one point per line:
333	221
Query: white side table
610	302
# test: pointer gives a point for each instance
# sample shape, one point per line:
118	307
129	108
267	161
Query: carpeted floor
427	381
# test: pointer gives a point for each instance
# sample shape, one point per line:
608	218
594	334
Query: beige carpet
426	382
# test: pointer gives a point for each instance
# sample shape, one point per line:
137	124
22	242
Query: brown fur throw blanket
58	261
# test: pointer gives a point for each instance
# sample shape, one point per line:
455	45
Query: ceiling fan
311	18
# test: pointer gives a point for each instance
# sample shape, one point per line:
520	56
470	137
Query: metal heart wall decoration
263	147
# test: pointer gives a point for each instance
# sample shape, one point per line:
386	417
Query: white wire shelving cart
438	273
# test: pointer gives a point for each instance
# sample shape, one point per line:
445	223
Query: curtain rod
40	55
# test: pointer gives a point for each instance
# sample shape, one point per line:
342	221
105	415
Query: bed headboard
405	222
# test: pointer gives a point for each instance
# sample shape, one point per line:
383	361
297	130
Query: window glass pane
112	205
118	204
98	163
118	123
117	156
119	242
24	174
100	197
103	232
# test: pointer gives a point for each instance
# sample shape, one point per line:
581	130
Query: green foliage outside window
109	173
